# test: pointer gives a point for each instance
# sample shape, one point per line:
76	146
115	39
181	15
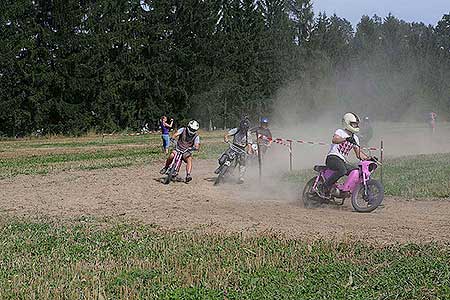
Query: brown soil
137	194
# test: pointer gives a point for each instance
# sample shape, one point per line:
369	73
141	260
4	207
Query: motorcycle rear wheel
365	203
309	197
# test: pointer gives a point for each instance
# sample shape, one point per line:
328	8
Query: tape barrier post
290	156
381	159
259	155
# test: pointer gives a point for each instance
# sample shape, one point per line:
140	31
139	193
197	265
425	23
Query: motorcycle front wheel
367	198
170	173
220	177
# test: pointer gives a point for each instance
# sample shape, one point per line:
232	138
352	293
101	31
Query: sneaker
240	181
163	171
188	178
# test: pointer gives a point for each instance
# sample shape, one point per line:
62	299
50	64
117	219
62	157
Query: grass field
84	261
419	176
92	258
41	156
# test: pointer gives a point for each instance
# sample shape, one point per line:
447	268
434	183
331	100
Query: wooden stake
290	156
259	155
381	159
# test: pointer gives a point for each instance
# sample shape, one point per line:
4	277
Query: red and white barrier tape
129	134
286	142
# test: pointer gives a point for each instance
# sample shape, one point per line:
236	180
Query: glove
351	140
192	149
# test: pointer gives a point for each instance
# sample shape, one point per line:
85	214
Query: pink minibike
367	193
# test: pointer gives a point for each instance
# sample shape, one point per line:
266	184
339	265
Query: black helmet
245	123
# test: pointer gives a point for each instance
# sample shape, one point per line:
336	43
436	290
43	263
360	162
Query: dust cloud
301	113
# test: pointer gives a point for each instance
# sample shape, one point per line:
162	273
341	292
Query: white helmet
351	122
192	127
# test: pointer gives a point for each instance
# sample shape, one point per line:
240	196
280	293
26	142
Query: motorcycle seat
319	168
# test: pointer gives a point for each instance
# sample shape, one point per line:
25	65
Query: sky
426	11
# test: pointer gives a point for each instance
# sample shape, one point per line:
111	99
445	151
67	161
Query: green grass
99	159
211	150
139	140
91	154
411	176
95	141
84	261
419	176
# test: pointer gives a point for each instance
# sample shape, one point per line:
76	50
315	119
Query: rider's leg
339	166
242	168
189	165
166	142
169	159
349	168
168	162
188	161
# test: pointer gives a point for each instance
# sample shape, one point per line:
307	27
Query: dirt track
136	194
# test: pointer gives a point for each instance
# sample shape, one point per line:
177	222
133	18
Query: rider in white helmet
343	141
187	138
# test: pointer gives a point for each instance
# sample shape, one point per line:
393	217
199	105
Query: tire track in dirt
271	207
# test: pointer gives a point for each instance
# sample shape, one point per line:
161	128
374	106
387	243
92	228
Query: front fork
365	178
176	161
317	181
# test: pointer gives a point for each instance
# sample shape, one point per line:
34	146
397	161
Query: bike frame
177	159
232	156
356	177
237	150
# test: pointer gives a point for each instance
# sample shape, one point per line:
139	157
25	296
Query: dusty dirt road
272	207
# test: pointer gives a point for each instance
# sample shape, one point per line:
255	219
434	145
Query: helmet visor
354	124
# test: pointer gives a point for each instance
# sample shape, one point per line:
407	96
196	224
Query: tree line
70	66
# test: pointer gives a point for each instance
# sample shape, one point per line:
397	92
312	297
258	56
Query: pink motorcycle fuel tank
351	181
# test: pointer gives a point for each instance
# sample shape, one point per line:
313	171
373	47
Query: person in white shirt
344	140
188	138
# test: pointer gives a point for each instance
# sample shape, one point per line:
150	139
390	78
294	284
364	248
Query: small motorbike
175	165
228	162
366	193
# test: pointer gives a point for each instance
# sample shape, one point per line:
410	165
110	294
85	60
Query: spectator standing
432	121
165	128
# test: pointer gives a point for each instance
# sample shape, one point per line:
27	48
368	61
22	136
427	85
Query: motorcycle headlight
372	167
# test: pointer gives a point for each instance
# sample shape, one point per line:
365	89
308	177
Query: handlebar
183	151
235	148
375	160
